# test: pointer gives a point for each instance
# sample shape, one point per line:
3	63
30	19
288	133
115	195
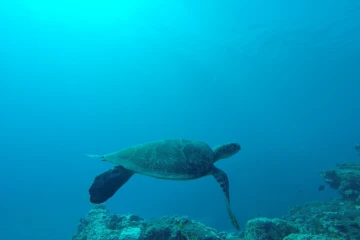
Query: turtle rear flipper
106	184
223	181
96	156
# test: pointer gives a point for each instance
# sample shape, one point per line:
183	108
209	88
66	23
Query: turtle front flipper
106	184
223	181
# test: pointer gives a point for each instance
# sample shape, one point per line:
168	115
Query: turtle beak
236	147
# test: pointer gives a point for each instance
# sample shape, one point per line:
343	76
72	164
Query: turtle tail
96	156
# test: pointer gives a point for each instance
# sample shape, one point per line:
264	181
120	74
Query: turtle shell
167	159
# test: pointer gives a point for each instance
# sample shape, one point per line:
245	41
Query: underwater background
281	78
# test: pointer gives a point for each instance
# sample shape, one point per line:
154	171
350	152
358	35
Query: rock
179	227
266	229
309	237
346	179
100	224
130	233
330	220
337	219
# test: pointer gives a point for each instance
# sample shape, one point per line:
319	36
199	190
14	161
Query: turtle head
225	150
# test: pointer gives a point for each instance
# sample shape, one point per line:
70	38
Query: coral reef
264	229
346	179
309	237
337	219
331	220
101	224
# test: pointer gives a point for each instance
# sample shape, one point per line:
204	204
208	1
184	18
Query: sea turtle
175	159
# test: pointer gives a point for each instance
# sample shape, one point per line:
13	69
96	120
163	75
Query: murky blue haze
282	78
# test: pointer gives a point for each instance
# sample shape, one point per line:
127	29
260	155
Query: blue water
282	78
